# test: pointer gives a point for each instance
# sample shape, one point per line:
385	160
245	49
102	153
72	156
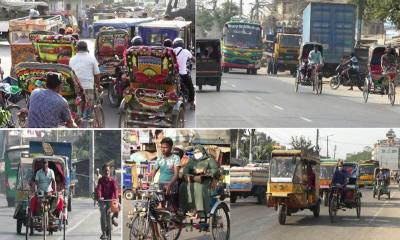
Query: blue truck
332	25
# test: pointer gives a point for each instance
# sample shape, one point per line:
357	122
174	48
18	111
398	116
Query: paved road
186	234
110	112
379	220
84	223
270	101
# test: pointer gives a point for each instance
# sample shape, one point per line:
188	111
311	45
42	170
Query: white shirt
85	67
182	59
44	180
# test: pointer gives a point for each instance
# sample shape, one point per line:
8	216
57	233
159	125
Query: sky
347	140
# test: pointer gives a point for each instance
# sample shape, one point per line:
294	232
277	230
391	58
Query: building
387	151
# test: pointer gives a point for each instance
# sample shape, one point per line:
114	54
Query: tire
45	224
109	226
129	195
69	204
332	209
297	82
233	198
261	197
254	72
358	206
220	212
316	84
248	71
282	214
366	90
316	210
392	93
122	123
334	83
179	120
320	85
28	223
325	198
218	88
99	121
200	88
19	225
140	228
112	95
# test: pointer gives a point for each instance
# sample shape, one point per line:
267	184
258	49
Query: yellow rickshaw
326	174
294	182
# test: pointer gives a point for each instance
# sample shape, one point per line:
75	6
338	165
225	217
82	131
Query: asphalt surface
110	112
270	101
84	223
379	220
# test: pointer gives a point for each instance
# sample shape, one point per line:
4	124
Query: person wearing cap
87	70
47	108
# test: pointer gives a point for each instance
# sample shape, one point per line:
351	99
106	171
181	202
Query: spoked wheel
392	93
123	119
358	206
45	223
179	120
297	81
325	198
112	95
64	221
98	120
27	224
140	229
320	85
316	210
335	82
282	214
170	230
109	226
332	208
220	224
316	84
366	90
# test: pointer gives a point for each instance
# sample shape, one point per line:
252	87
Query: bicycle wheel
28	223
220	224
297	81
366	90
320	85
45	223
332	208
109	226
392	93
98	113
140	228
171	229
316	84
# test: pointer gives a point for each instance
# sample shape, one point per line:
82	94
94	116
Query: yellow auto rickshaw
294	182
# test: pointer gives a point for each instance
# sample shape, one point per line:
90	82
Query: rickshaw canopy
306	48
154	33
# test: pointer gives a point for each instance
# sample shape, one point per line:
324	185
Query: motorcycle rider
183	56
352	68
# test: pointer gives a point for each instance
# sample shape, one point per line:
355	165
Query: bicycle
109	225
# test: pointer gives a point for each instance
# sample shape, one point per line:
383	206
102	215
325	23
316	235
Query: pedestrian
47	108
87	70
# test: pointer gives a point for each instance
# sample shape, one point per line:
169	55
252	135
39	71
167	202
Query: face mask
340	168
197	156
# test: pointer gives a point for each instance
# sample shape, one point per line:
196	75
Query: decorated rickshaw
153	95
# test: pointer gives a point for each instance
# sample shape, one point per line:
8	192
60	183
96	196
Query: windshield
283	167
351	170
13	156
366	170
327	172
290	41
156	37
243	36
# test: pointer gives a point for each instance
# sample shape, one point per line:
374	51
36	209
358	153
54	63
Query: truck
241	46
249	181
286	49
333	25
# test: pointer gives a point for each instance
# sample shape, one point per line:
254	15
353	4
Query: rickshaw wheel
332	208
112	95
325	198
282	214
215	224
99	117
123	120
392	93
358	206
316	210
366	90
179	120
27	224
297	82
316	84
44	224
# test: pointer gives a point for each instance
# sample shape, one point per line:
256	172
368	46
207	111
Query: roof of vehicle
18	147
174	24
129	21
294	152
311	43
208	40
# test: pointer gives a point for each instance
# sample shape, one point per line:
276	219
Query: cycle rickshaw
381	185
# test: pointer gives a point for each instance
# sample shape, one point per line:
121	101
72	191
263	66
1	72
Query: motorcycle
345	74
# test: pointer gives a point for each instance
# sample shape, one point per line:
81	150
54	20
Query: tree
381	10
301	143
360	156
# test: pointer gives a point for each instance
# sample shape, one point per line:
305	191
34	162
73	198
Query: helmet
167	42
81	46
178	42
137	41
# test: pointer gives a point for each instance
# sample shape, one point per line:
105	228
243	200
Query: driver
352	68
315	57
339	177
388	60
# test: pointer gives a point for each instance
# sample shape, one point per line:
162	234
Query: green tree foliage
301	143
381	10
364	155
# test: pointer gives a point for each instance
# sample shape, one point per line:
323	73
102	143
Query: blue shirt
339	177
315	57
47	109
167	166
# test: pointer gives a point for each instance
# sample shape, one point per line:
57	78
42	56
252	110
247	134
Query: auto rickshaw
39	203
381	184
109	52
32	75
23	189
309	75
376	82
326	173
290	186
153	97
367	173
352	195
208	63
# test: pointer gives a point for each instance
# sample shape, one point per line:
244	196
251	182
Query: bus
11	159
242	45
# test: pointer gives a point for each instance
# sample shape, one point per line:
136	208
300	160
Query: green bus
12	156
242	45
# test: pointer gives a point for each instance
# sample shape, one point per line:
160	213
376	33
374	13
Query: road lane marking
305	119
380	209
224	81
78	223
279	107
259	98
233	85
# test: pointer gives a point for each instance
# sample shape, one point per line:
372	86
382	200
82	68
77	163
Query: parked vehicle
208	63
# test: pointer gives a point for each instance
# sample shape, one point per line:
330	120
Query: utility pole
91	162
241	7
334	152
327	146
257	8
360	13
252	131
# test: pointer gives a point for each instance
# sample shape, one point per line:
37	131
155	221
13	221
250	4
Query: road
186	234
110	112
270	101
84	223
379	220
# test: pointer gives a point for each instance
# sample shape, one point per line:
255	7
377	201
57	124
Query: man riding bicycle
107	189
340	178
315	57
